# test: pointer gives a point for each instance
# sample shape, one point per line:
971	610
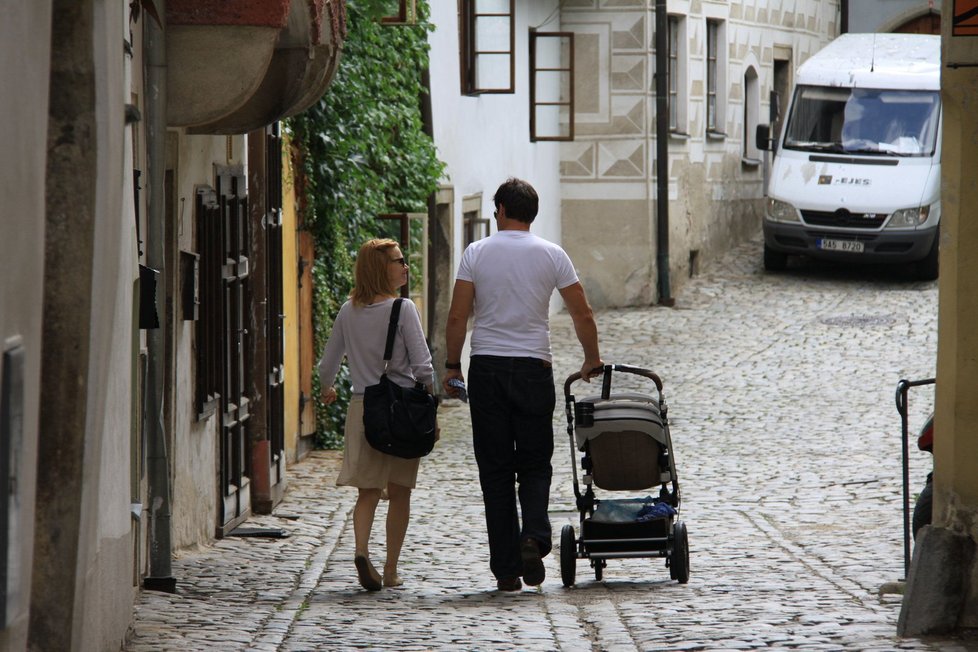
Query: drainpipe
160	571
662	152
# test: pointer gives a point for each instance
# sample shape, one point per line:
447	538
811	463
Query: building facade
143	393
565	95
722	64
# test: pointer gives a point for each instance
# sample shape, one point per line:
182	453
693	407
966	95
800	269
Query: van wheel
775	261
927	268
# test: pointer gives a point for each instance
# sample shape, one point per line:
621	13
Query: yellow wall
290	304
956	414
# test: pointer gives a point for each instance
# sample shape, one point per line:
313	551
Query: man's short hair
519	198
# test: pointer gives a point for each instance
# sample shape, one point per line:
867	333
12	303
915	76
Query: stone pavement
781	394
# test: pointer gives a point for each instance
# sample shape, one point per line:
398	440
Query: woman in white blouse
360	333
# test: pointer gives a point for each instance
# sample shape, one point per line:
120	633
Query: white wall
485	139
106	586
25	38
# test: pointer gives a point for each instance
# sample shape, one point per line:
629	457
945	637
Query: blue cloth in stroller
631	510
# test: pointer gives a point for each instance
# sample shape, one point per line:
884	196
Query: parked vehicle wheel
927	267
775	261
923	508
679	559
598	569
568	556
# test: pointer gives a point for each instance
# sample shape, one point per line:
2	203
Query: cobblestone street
787	440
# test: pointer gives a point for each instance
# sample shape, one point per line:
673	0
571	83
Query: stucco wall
485	139
614	234
956	438
105	549
715	197
25	36
290	307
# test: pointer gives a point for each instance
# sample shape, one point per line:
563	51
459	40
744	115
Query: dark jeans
512	402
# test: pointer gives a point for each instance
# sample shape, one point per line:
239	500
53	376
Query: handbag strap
391	329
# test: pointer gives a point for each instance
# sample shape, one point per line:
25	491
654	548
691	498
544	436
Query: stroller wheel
568	556
679	559
599	565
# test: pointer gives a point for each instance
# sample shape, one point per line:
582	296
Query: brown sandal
368	575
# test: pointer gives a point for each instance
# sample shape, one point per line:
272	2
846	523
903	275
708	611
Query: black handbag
397	420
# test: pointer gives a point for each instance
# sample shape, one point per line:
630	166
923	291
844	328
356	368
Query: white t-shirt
514	274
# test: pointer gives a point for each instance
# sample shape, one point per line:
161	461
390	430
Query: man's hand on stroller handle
590	369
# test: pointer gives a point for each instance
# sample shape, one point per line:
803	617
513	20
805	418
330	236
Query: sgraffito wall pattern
716	180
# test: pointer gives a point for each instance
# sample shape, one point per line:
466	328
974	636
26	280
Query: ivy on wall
363	152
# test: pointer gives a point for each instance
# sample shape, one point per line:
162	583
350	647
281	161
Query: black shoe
533	569
509	584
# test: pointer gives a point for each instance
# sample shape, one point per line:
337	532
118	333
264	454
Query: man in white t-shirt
507	280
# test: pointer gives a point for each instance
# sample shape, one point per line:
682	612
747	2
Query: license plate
854	246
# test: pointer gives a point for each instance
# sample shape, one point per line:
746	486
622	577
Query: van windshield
864	121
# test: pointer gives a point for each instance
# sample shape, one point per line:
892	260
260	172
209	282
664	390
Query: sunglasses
399	261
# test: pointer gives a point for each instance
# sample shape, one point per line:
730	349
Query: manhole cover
858	321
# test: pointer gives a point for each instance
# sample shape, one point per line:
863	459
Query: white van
856	175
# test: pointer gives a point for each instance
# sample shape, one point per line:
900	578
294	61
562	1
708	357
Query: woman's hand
329	395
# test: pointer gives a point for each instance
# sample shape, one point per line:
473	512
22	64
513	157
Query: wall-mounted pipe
157	459
662	151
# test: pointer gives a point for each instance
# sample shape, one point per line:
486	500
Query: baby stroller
626	445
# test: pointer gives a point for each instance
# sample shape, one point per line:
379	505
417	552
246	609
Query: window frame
469	17
208	327
472	219
407	14
717	29
676	54
534	70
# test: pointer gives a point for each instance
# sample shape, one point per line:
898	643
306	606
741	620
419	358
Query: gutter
160	576
662	152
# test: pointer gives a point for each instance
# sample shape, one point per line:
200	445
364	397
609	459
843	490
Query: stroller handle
606	384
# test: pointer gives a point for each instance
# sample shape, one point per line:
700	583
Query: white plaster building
605	176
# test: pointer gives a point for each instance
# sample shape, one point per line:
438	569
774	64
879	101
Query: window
551	86
224	244
864	120
677	74
208	344
715	78
487	43
411	232
400	12
474	226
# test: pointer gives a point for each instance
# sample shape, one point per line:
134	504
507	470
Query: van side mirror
763	137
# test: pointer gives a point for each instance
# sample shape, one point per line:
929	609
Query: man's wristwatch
453	365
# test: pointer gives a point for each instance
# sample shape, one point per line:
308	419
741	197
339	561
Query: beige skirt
364	466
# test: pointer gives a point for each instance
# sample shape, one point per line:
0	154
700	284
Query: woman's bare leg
363	520
398	515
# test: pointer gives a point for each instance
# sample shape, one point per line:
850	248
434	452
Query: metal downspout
160	571
662	151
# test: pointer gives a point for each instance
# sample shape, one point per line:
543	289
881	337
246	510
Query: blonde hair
370	273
